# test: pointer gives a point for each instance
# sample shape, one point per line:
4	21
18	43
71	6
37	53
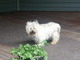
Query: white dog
41	32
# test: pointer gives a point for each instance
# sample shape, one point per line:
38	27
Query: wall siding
7	5
39	5
49	5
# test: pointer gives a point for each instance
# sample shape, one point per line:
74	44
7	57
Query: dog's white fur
41	32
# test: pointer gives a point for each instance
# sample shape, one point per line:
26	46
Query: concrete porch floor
12	33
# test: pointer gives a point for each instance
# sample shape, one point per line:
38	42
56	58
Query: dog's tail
59	28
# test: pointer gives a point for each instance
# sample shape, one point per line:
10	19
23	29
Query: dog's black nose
32	33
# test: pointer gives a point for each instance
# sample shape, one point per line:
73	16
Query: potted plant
29	52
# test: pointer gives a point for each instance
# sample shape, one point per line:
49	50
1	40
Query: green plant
45	42
24	52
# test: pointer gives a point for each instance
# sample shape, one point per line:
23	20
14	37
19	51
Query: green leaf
45	42
32	59
28	51
14	59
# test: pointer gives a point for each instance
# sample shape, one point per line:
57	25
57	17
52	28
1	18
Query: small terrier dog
42	32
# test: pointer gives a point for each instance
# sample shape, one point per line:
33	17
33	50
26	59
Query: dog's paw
54	42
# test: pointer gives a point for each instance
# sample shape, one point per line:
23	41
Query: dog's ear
28	22
36	21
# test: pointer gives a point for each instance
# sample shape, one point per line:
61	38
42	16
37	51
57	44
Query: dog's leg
40	44
55	38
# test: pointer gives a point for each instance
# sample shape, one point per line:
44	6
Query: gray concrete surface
12	33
